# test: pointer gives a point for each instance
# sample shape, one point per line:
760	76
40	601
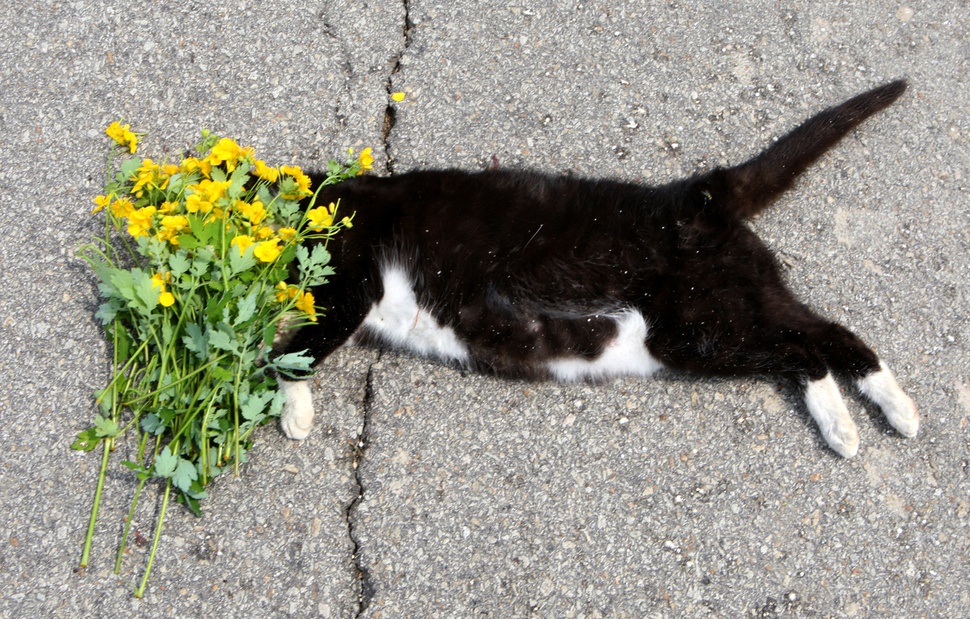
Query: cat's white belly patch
399	320
625	355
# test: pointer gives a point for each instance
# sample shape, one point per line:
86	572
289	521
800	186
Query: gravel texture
423	492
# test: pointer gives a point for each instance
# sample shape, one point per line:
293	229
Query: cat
533	276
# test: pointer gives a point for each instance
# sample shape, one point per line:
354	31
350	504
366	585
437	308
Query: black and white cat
533	276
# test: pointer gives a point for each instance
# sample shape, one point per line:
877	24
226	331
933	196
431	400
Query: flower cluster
200	262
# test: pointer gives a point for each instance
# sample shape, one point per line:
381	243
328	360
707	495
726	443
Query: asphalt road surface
423	492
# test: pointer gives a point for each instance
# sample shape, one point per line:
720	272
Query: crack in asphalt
365	591
390	112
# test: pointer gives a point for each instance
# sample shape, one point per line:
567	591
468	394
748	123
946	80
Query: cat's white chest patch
398	319
625	355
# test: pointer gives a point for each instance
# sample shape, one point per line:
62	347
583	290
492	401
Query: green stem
86	552
140	590
182	379
134	503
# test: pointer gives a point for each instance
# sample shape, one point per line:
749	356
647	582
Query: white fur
881	388
625	355
399	320
297	416
825	404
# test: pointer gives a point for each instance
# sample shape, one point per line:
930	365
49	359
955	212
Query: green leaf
191	502
123	283
184	475
153	424
165	463
222	339
196	341
255	404
221	373
144	291
179	263
108	310
105	427
293	362
246	308
238	179
129	167
239	262
187	241
269	334
140	471
86	440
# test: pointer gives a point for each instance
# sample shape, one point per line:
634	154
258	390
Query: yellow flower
242	241
168	207
122	134
101	201
159	280
265	172
194	164
267	251
264	232
302	182
228	152
171	226
254	212
287	234
285	292
305	303
140	221
122	207
149	174
196	202
320	217
366	160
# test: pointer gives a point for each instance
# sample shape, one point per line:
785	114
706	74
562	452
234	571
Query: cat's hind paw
827	408
900	411
296	419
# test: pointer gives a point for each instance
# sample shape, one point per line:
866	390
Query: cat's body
528	275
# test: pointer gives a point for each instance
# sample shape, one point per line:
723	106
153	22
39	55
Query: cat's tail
750	187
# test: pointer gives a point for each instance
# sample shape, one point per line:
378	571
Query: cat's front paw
296	419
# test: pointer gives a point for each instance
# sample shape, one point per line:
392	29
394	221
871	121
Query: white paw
881	387
825	404
297	416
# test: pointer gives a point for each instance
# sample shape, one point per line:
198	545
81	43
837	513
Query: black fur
525	266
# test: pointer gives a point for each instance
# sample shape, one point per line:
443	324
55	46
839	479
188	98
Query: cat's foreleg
881	387
297	416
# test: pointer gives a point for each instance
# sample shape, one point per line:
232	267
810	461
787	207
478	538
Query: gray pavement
676	497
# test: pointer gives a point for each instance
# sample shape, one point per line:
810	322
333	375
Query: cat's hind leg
881	387
845	352
825	405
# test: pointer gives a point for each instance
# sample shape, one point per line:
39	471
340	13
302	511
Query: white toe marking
825	404
881	387
399	320
297	416
626	355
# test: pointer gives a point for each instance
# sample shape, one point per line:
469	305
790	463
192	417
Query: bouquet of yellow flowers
199	263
